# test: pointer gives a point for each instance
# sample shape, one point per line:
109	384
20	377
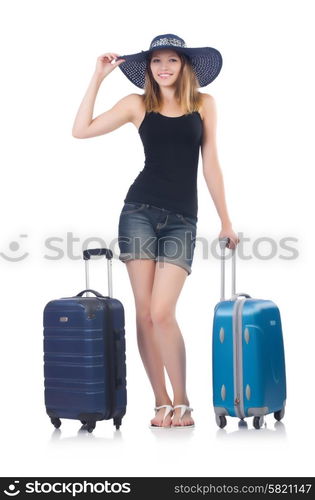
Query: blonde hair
186	92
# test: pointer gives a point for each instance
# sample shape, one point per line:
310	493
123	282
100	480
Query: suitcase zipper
238	358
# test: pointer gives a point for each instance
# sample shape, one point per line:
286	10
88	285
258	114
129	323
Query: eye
157	60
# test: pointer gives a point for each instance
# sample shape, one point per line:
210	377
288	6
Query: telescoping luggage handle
109	255
223	244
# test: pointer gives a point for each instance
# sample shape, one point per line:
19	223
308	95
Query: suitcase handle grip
97	251
109	255
90	290
224	242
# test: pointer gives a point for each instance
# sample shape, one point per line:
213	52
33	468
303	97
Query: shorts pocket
189	221
131	208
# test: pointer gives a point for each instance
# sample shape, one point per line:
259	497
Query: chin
162	83
166	84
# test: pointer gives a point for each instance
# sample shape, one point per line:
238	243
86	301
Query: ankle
181	401
163	401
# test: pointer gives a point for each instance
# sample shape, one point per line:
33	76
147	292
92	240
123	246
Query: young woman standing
158	221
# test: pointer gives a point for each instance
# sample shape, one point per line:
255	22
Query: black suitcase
84	355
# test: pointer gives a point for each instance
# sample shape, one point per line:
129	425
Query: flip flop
168	409
183	409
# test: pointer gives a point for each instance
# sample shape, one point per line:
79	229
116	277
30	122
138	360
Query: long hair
186	91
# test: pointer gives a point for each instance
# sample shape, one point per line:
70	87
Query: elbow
78	134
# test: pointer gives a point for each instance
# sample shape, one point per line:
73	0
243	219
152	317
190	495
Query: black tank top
169	177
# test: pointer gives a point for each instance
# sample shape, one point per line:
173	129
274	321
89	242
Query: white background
53	184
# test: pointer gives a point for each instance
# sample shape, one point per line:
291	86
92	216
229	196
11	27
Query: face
165	66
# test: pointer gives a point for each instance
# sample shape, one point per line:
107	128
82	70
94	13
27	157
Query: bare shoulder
207	108
136	108
135	102
134	99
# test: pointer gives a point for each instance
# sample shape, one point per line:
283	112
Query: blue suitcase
248	364
84	355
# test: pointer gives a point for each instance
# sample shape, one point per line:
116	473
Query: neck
168	95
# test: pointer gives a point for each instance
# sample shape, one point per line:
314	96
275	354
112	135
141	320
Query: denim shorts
149	232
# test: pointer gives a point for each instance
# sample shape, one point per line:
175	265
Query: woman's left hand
227	232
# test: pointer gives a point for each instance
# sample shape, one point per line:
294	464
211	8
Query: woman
160	210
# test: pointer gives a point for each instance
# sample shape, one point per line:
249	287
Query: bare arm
211	167
84	124
212	170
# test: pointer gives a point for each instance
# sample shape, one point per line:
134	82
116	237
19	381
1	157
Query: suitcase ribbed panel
79	361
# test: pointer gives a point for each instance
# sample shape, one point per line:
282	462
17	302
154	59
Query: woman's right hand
104	64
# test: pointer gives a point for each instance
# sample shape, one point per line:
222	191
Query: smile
165	75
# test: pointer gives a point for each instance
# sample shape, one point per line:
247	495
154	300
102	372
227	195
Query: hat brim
206	63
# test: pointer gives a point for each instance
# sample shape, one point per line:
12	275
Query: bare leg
141	274
168	282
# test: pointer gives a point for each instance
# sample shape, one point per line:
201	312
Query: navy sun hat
206	61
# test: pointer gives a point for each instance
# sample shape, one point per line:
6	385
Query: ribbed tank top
169	177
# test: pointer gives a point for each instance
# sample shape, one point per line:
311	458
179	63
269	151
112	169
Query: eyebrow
172	55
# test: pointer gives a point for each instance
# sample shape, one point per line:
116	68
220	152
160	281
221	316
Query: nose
163	64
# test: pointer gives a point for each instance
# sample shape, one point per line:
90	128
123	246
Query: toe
168	420
174	422
156	422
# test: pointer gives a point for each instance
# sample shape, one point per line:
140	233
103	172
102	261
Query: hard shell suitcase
248	364
84	355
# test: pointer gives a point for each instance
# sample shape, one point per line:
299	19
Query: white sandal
183	409
168	409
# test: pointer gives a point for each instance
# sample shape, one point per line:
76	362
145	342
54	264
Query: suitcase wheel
258	422
117	422
56	422
220	420
279	414
88	425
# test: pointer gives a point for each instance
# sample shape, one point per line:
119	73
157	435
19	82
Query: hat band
167	41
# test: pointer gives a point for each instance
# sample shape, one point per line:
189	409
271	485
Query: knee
143	314
161	315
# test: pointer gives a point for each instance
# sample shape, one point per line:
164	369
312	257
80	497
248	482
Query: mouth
165	75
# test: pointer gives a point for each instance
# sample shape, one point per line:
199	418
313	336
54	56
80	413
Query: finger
114	56
115	60
107	56
232	243
118	63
